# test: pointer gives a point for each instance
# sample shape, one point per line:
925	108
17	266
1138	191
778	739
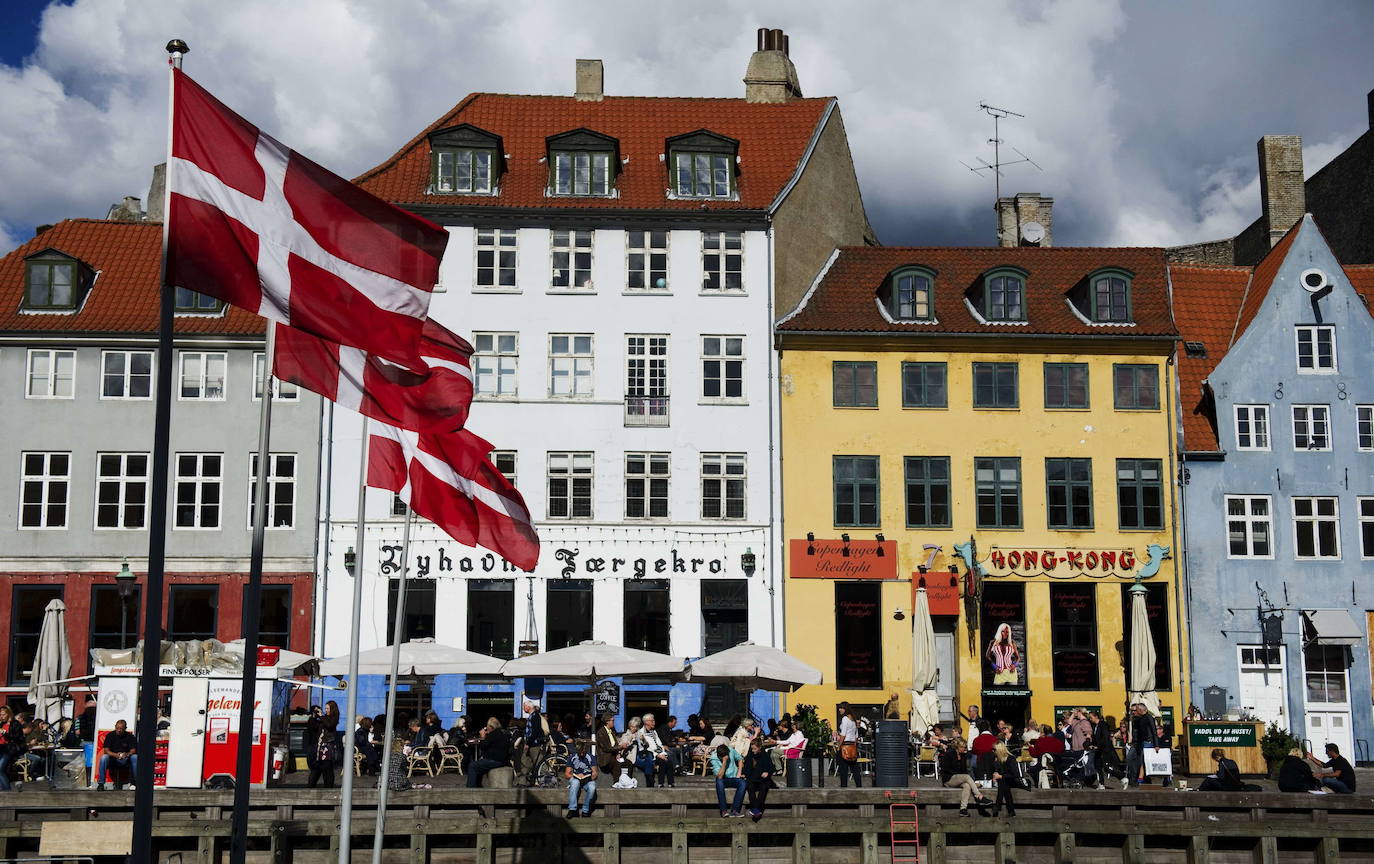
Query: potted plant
818	737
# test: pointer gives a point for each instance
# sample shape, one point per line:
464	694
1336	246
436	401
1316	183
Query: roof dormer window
1004	296
190	302
54	282
1111	298
909	295
702	165
582	162
464	160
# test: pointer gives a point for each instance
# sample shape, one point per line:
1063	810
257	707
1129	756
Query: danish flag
259	226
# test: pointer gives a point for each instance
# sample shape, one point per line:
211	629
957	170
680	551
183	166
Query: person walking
848	739
758	776
1142	733
326	751
1003	775
952	764
725	765
581	773
1108	763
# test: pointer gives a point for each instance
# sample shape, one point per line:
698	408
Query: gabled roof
772	139
1265	272
124	299
843	300
1206	301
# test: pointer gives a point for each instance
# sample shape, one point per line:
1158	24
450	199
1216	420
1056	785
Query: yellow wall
813	431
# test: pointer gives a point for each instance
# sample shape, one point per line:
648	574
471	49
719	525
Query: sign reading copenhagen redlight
835	559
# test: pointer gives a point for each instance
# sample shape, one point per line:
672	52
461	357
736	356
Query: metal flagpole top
175	50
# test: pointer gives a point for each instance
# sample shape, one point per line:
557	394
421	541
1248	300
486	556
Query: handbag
1158	761
849	751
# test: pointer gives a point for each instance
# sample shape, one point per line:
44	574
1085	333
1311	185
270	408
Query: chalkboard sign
605	698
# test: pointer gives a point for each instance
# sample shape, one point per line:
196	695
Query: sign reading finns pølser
826	559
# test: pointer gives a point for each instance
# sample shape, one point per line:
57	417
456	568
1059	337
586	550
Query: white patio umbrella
753	667
590	659
925	700
1142	654
420	657
52	662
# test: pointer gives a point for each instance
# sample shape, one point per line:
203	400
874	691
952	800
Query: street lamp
124	581
747	562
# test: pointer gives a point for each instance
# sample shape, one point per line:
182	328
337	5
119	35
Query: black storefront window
419	621
1003	631
569	618
491	617
646	614
1073	636
115	622
1157	608
858	636
26	623
192	612
274	624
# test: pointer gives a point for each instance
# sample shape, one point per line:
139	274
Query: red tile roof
844	299
772	138
124	298
1265	271
1206	301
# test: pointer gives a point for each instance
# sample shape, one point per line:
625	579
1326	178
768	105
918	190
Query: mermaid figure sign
1004	656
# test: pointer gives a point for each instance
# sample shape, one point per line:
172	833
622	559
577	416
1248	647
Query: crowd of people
31	742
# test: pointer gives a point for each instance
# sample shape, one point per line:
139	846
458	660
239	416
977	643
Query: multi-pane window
923	385
202	375
570	486
1311	427
188	302
570	364
646	485
722	261
51	285
722	485
496	248
121	490
927	492
1069	493
911	298
646	380
504	461
281	490
1316	528
1325	673
463	169
1249	526
1005	297
571	258
1366	506
994	385
1073	637
114	619
1111	299
282	391
856	491
997	482
1066	385
702	175
199	482
646	260
126	375
581	172
854	384
45	483
1364	427
1316	349
1252	427
27	603
1140	494
52	374
1135	387
495	359
722	367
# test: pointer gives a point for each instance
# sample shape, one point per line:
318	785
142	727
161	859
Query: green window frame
854	384
1004	296
997	482
1135	386
996	385
463	170
703	175
909	295
1140	494
1110	296
190	302
857	492
1066	385
927	491
1069	494
51	284
925	385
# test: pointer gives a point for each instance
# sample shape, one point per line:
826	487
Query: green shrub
1275	745
816	729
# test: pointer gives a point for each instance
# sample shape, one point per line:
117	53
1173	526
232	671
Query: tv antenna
996	165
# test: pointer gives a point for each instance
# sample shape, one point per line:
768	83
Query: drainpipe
774	476
1179	529
321	622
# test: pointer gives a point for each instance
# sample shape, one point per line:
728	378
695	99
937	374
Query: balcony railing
646	410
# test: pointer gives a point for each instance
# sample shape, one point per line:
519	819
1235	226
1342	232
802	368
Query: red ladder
907	843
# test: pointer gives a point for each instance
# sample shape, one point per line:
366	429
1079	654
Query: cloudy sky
1143	116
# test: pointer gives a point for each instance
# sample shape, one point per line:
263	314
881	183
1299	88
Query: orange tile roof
1206	300
1265	271
124	298
772	138
844	300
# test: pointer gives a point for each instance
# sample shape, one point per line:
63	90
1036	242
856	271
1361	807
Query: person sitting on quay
493	751
675	740
1295	774
1042	751
607	754
952	764
758	776
1340	778
120	749
653	760
1227	778
980	749
581	773
725	765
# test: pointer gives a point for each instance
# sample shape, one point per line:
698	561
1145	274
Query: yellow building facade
917	418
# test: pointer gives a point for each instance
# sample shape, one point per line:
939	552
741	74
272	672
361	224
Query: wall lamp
844	551
747	562
881	541
351	561
810	542
898	614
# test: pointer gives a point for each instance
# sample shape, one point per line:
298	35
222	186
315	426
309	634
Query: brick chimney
590	81
157	189
771	77
1281	184
1018	218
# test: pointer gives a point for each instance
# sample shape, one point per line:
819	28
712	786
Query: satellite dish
1314	279
1033	233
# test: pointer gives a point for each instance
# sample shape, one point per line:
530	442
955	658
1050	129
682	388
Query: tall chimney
771	77
1025	220
1281	184
590	81
156	191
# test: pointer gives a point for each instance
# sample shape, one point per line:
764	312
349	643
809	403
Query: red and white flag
259	226
436	400
448	479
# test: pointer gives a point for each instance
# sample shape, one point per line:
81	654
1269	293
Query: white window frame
49	389
647	252
124	482
1256	421
647	397
655	466
494	241
572	243
1315	520
717	243
565	161
199	481
492	362
45	480
473	156
126	378
1308	423
275	482
502	458
1313	332
282	391
1251	519
1364	428
1364	511
204	356
715	468
1341	669
723	360
571	466
573	367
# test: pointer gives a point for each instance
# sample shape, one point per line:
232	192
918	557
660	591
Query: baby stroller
1076	769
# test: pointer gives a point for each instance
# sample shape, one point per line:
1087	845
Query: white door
186	732
948	680
1330	727
1262	684
1326	672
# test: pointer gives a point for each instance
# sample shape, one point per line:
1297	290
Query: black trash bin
799	773
891	752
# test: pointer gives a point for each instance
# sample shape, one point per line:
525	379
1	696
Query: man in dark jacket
1108	763
493	751
1227	778
1143	734
758	776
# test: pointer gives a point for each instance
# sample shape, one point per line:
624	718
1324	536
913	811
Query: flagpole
346	814
252	609
141	849
397	634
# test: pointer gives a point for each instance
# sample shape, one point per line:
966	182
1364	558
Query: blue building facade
1279	487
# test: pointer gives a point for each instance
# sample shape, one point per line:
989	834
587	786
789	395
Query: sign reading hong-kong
1007	561
827	559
